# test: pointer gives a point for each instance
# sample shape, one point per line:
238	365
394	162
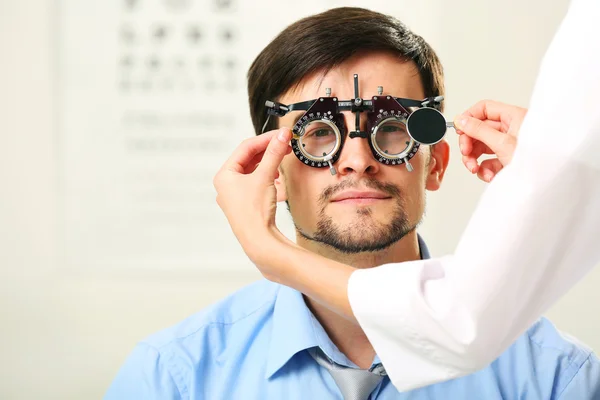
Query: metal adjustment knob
331	167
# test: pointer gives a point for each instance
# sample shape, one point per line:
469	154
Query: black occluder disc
426	125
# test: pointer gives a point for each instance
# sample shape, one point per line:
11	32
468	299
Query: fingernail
460	121
283	135
487	176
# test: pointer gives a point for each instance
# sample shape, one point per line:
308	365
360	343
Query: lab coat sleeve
533	235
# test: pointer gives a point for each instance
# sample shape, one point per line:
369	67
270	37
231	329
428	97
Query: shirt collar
296	329
292	329
423	248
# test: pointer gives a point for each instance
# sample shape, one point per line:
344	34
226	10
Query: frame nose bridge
357	124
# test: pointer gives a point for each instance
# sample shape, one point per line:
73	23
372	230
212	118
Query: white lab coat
534	234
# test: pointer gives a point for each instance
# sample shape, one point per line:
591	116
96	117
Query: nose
356	156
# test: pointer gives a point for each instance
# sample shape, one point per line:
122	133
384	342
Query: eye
391	137
319	133
390	128
320	138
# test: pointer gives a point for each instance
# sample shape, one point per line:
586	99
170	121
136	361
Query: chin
375	217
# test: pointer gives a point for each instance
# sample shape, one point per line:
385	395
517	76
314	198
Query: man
267	341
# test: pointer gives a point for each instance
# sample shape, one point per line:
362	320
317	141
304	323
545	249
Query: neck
347	336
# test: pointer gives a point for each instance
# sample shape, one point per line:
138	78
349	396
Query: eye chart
151	100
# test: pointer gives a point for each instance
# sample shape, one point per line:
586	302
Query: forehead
399	78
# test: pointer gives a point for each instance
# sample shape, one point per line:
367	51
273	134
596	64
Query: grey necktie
354	383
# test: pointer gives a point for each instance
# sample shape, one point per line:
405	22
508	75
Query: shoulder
546	337
167	364
557	362
244	307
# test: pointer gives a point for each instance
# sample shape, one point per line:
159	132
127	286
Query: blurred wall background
66	329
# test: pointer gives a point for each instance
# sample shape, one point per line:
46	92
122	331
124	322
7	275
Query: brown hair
323	41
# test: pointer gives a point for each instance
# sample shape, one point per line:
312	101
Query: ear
280	186
440	155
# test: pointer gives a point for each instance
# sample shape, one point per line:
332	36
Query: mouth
360	198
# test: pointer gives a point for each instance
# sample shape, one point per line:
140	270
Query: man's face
366	206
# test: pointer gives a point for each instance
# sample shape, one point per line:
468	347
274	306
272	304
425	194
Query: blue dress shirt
253	345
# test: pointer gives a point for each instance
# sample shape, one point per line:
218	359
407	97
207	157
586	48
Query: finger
478	130
497	125
252	164
478	149
470	163
491	110
488	169
465	142
471	147
242	156
492	124
278	147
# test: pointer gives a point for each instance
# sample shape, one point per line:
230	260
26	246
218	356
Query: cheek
420	163
303	186
302	197
415	178
416	188
411	184
422	155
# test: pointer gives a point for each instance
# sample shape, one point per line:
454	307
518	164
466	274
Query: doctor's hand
488	127
245	187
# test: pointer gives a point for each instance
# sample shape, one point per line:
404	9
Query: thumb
276	150
477	129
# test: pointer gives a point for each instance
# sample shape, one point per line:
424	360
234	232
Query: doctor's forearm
320	278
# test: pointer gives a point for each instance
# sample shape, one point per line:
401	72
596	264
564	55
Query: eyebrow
298	118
